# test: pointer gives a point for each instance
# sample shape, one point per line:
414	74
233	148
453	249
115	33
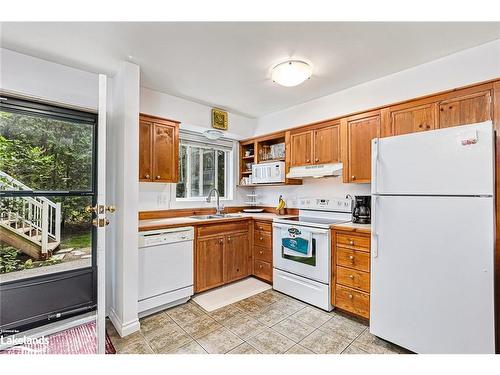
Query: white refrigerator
433	236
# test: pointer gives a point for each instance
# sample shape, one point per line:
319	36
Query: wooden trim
496	124
159	120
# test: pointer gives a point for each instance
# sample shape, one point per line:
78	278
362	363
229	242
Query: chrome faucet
218	209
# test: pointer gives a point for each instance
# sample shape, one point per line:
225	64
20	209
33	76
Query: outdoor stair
30	224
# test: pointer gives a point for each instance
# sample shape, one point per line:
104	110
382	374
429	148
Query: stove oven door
316	266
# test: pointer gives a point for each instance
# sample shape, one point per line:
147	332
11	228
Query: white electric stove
302	249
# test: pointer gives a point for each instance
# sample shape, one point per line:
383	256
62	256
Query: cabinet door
237	253
465	110
209	263
165	153
412	120
301	148
145	150
327	145
360	133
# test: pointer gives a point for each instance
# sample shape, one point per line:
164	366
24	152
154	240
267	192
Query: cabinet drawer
264	270
353	301
222	228
263	226
353	278
263	253
353	259
352	241
263	239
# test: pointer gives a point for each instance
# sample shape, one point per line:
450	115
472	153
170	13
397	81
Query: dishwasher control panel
165	236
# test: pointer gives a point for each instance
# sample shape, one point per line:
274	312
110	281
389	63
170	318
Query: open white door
101	222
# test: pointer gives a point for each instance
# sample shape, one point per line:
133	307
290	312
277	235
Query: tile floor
269	323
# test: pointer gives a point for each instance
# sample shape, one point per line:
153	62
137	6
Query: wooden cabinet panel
209	265
264	226
353	278
465	110
165	153
237	252
301	148
222	228
263	239
264	270
360	132
145	144
352	300
414	119
327	145
357	260
263	253
353	241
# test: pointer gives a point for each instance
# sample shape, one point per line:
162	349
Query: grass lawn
78	240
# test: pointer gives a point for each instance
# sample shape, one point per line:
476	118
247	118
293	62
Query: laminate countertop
353	227
172	222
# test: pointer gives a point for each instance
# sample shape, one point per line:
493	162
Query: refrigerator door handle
374	247
375	153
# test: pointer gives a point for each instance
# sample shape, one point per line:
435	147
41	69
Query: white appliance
432	256
302	249
322	170
267	173
165	268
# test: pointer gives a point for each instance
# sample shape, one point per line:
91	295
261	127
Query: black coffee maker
361	213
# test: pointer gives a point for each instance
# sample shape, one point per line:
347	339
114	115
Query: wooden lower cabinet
351	271
263	251
223	257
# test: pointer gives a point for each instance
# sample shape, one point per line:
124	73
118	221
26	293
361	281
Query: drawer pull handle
260	266
261	252
351	258
350	296
261	228
351	242
147	176
158	177
261	238
351	277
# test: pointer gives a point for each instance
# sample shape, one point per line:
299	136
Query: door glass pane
208	170
40	235
41	153
195	171
221	172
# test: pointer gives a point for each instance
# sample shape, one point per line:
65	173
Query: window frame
228	157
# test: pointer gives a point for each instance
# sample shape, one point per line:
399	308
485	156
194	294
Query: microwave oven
267	173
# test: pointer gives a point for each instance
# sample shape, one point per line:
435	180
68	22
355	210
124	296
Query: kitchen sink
215	216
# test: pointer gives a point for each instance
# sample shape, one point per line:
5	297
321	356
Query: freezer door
432	273
451	161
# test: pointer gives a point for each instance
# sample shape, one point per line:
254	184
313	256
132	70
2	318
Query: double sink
214	216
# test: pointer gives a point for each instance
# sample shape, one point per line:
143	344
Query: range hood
322	170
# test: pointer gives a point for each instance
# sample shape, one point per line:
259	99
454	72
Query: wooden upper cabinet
361	129
158	149
464	110
327	145
301	149
145	143
236	256
209	263
413	119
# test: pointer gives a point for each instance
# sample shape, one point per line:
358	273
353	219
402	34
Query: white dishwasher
165	268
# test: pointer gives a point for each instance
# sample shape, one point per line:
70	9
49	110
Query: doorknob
100	209
99	223
111	209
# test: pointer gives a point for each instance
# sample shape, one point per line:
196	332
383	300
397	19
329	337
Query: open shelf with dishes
267	149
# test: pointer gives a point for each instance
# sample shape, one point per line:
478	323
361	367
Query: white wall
193	116
123	169
43	80
466	67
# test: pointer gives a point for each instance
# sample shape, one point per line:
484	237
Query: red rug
77	340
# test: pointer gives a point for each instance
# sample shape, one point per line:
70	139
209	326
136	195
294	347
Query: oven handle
309	229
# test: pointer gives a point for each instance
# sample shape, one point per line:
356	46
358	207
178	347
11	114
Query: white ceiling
228	64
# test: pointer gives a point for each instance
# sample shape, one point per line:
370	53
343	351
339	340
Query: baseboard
123	329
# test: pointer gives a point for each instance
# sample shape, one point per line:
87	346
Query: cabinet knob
307	160
261	228
158	177
229	239
351	277
351	258
351	242
147	176
316	159
353	177
260	238
221	241
350	296
261	252
260	266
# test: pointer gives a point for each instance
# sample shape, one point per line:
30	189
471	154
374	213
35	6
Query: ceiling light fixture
213	134
291	73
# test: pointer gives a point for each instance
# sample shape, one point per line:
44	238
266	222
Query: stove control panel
325	204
